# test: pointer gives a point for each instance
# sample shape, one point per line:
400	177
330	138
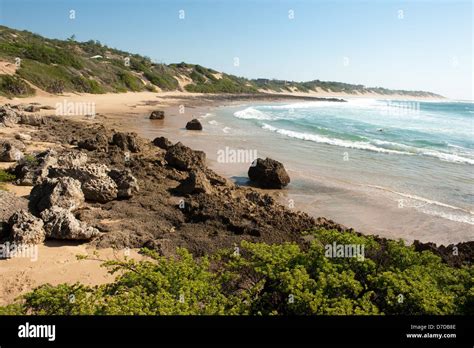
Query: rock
157	115
196	182
194	124
100	142
9	152
126	141
62	192
183	158
8	116
162	143
9	204
32	120
269	174
60	223
97	186
31	171
127	184
32	108
26	228
22	137
72	159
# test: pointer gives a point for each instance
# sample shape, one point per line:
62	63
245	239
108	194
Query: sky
414	45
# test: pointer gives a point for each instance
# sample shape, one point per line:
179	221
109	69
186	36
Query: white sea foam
330	141
459	214
252	113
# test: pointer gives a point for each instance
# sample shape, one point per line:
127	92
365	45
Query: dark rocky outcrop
196	182
194	124
454	254
32	120
268	173
157	115
99	142
127	184
9	152
184	158
31	171
126	141
162	143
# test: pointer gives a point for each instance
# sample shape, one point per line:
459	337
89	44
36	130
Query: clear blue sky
430	48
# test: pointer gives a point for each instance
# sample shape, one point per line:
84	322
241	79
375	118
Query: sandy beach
365	211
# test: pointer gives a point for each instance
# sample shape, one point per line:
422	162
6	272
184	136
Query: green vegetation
59	66
5	177
266	279
13	86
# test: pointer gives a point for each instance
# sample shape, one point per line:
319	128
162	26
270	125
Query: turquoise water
419	152
440	130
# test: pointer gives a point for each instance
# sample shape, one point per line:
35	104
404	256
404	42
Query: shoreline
61	256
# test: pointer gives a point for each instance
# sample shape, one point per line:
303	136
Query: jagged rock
196	182
25	228
268	173
127	184
60	223
9	152
183	158
32	120
31	171
97	186
9	204
32	108
22	137
162	143
99	142
194	124
157	115
72	159
126	141
8	116
62	192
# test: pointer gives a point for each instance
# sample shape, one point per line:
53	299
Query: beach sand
130	112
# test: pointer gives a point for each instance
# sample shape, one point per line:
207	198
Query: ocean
400	169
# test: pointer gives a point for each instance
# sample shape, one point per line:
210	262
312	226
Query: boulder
32	170
8	116
127	184
25	228
62	192
100	142
32	108
268	173
196	182
96	185
22	136
126	141
9	204
194	124
162	143
9	152
60	223
72	159
157	115
183	158
32	120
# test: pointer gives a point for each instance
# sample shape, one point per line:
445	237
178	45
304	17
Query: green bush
13	86
266	279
